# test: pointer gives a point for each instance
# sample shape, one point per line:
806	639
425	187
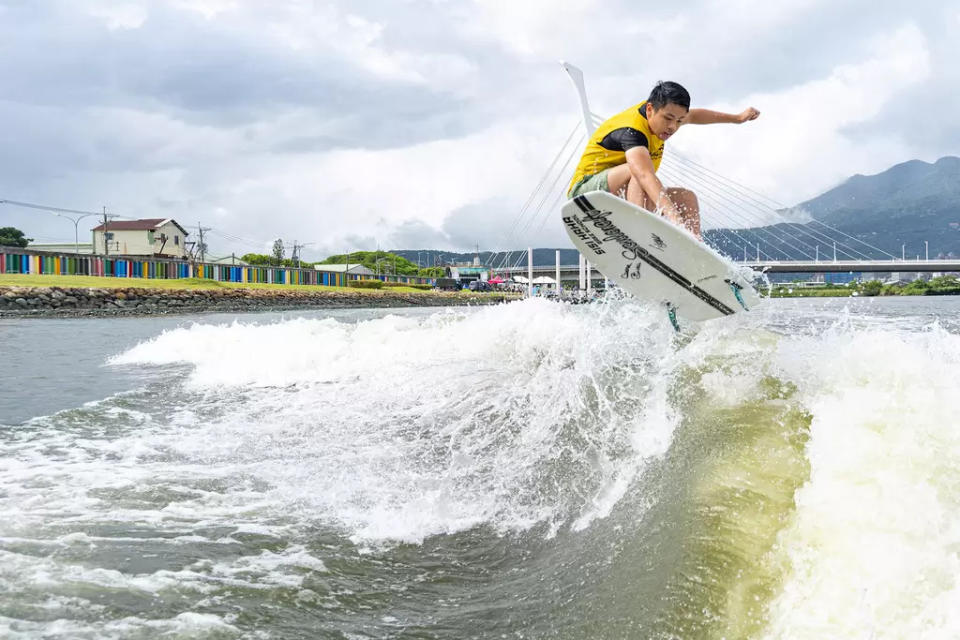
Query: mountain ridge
902	210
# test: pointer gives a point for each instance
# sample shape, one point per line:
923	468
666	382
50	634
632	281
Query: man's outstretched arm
706	116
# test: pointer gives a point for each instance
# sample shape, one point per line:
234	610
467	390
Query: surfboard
655	260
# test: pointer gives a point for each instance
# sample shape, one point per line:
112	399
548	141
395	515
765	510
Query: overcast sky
428	123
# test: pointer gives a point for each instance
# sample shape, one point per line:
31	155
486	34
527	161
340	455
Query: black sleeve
623	139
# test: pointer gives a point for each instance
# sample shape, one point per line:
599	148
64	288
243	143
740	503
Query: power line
44	207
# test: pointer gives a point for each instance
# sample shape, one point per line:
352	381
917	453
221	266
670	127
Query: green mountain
910	190
381	262
873	216
894	212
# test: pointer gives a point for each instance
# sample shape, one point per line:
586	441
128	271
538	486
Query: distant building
62	247
227	261
352	269
160	237
468	272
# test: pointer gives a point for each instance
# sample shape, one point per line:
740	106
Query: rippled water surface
532	470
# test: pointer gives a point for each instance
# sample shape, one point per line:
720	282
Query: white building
352	269
227	261
63	247
149	237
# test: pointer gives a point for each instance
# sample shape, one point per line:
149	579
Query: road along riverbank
114	301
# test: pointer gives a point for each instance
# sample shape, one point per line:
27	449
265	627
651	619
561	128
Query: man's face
665	122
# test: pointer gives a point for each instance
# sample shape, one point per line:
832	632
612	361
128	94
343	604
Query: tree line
379	262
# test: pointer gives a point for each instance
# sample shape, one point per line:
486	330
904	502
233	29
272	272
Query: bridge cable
761	219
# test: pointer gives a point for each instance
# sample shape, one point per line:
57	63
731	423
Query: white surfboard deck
654	259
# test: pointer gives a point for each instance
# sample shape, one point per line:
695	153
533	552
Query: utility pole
106	240
106	243
202	246
926	250
295	257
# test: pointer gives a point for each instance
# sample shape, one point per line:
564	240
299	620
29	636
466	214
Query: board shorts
596	182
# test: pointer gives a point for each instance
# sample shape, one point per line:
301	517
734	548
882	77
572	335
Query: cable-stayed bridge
570	272
739	222
855	266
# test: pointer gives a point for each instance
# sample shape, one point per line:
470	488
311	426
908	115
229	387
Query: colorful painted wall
15	260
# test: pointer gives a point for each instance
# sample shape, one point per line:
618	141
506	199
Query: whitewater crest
399	428
782	474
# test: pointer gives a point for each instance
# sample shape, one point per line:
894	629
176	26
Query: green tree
278	251
872	288
13	237
257	259
944	285
916	288
263	260
376	261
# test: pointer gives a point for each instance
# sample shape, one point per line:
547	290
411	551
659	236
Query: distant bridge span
571	271
846	266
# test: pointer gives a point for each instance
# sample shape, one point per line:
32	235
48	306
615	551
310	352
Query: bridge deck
787	266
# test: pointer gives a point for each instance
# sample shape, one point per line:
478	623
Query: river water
532	470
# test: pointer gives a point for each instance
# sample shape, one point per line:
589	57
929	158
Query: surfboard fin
672	314
736	292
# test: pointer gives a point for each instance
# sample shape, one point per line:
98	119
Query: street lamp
903	252
926	250
76	222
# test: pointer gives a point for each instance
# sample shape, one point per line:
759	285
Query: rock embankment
65	301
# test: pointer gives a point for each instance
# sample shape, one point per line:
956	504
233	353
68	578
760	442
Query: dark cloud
201	72
414	233
171	115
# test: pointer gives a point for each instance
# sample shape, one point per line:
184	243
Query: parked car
480	285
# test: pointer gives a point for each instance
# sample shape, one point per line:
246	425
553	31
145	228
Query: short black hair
669	93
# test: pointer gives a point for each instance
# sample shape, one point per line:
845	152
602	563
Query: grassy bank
77	296
939	286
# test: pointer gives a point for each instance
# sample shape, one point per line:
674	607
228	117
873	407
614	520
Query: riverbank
947	285
60	301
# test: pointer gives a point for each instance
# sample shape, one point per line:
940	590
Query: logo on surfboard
658	242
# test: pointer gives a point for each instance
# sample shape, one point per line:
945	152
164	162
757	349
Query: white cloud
365	121
799	145
209	9
119	14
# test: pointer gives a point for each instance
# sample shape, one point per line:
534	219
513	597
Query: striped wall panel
18	261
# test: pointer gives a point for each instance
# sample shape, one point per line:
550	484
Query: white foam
525	415
872	550
392	428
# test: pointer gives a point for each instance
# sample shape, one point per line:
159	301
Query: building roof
227	260
340	268
144	224
62	247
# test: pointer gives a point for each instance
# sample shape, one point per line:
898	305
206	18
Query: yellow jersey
608	145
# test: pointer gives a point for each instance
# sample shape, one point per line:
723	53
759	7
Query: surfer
622	156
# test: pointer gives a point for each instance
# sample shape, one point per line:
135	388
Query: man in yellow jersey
623	154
